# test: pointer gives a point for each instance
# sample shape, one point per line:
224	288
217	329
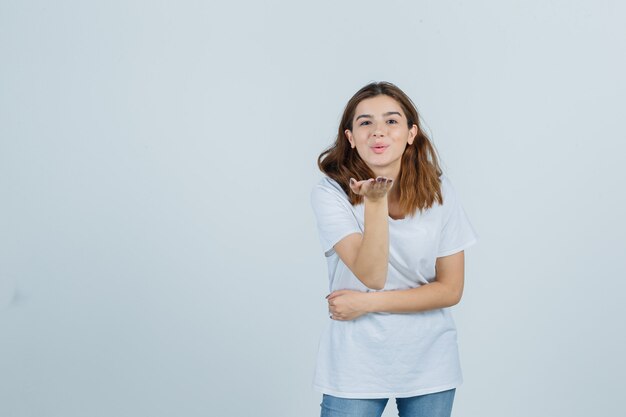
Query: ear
348	134
412	134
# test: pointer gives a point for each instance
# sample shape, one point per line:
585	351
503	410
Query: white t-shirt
383	355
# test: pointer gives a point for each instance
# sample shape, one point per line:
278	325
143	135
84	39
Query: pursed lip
380	149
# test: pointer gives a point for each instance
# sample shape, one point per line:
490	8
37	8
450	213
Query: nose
379	129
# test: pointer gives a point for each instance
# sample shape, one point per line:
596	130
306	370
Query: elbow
375	287
454	301
374	282
455	296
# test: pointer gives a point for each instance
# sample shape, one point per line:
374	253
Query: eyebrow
385	114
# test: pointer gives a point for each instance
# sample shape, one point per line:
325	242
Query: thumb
354	185
336	294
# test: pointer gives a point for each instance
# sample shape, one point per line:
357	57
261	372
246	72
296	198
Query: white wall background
158	253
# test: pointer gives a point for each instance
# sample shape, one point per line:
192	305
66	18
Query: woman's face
380	134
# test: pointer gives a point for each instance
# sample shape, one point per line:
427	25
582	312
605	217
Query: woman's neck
393	196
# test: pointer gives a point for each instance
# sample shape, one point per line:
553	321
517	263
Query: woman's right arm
367	254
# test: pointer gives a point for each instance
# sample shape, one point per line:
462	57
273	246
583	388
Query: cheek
362	133
360	141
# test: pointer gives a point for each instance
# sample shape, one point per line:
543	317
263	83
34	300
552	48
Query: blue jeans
438	404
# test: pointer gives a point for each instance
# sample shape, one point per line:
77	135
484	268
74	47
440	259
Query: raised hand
372	189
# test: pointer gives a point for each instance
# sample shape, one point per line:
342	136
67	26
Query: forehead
377	106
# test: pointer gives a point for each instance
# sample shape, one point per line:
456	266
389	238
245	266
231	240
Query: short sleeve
334	214
457	233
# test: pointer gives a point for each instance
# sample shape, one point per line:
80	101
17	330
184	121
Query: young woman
393	232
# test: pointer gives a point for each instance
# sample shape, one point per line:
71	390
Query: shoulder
327	185
327	195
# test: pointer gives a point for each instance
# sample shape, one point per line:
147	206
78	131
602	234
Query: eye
363	123
392	120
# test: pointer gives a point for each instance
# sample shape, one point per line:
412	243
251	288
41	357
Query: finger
375	186
381	182
358	186
336	294
367	185
353	184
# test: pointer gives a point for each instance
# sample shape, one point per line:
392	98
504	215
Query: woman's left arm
445	291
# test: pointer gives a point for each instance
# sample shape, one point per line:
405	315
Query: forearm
425	297
371	264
